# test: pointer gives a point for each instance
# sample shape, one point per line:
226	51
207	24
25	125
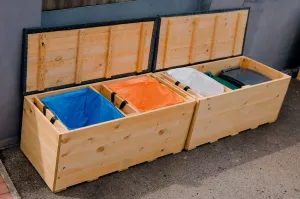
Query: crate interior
77	108
146	92
216	67
100	88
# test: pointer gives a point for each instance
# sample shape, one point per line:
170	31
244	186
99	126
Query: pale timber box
192	41
58	60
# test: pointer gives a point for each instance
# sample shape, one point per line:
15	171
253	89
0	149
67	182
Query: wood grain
74	56
92	152
203	37
40	142
64	4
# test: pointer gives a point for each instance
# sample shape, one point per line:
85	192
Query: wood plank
129	109
39	142
213	38
49	115
263	69
172	81
180	92
96	89
298	76
236	33
117	28
169	27
109	54
195	25
42	62
239	41
79	61
141	52
216	66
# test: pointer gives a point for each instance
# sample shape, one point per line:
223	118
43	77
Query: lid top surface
61	57
190	39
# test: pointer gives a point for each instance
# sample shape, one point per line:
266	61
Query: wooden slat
262	69
241	33
109	53
236	32
58	124
169	25
298	76
141	52
40	142
192	48
99	90
175	89
213	38
42	61
79	61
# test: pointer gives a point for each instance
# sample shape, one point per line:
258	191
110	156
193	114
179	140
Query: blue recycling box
80	108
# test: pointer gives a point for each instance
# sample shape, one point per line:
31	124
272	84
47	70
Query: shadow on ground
187	168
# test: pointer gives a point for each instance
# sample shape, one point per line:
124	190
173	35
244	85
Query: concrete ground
262	163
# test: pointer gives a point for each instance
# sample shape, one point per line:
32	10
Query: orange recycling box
70	72
145	93
191	41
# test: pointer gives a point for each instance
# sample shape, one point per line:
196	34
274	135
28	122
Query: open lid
200	37
55	58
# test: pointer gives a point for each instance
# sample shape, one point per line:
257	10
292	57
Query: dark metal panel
205	5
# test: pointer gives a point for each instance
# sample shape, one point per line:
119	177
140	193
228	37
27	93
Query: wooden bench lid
56	58
200	37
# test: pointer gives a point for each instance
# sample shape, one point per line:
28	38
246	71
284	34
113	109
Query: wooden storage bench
58	58
186	40
235	111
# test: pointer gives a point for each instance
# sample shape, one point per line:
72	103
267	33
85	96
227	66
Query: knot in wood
161	132
100	149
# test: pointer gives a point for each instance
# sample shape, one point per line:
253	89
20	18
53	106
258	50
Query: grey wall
14	16
120	11
273	30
